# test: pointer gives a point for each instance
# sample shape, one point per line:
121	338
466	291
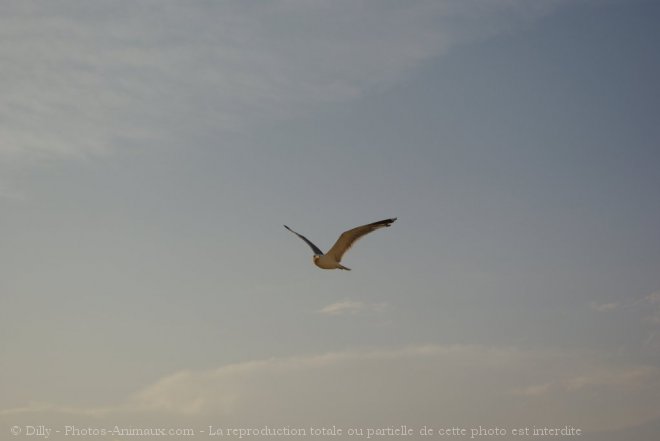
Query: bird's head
315	258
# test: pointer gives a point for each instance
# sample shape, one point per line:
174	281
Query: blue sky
151	151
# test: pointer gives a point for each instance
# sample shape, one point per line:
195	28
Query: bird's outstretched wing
348	238
316	249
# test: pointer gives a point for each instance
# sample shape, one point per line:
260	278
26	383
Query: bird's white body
328	262
332	259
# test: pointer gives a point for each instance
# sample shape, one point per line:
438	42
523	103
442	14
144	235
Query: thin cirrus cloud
603	307
412	385
644	311
653	300
648	307
351	307
81	79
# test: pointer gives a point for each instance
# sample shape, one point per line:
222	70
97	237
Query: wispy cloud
653	301
534	390
411	385
645	311
351	307
605	306
647	307
605	379
653	297
630	378
83	79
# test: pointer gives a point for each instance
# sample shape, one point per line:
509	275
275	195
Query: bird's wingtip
384	222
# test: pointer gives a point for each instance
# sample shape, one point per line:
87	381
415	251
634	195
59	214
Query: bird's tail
343	267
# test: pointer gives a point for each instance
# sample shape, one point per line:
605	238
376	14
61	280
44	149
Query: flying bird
332	259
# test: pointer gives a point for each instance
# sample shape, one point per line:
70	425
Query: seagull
331	259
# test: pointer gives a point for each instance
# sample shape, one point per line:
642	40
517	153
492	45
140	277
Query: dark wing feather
348	238
314	248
